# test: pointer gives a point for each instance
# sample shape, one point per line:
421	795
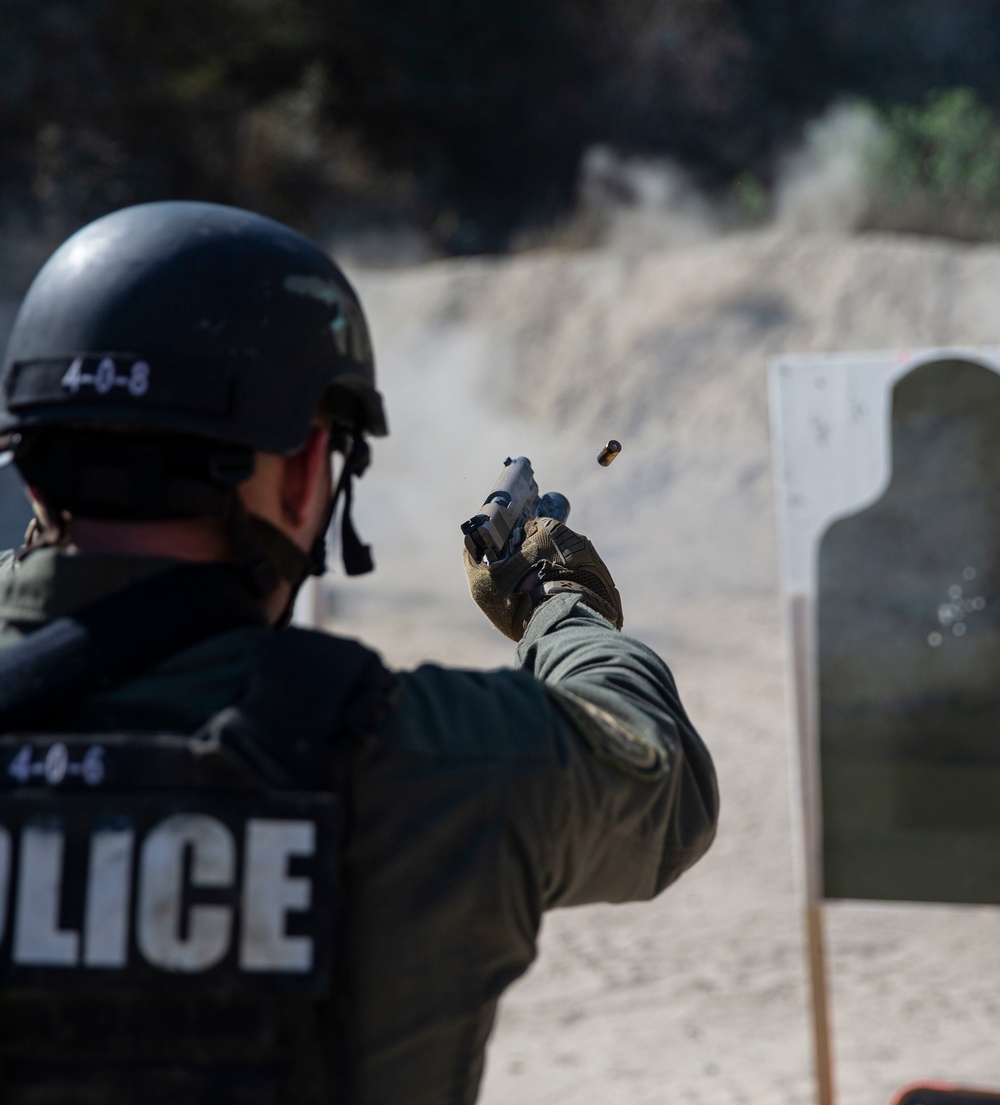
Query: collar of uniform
49	583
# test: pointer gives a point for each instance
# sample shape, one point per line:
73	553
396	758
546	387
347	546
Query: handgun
496	532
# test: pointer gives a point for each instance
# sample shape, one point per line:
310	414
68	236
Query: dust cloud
637	204
822	185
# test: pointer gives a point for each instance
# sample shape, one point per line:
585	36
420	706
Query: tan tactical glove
565	561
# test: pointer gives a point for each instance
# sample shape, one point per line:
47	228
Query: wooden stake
820	1004
803	658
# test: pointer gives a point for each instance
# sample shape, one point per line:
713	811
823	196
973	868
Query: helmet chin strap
356	555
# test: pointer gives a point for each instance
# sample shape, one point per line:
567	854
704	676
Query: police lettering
184	894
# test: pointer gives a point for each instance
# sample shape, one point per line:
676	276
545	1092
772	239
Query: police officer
241	862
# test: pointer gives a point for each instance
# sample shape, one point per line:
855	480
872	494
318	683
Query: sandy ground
701	995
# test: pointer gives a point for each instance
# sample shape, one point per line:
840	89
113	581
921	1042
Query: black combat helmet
193	318
214	331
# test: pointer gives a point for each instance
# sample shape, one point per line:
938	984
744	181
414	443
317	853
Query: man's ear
45	523
305	482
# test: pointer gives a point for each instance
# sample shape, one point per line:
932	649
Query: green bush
936	169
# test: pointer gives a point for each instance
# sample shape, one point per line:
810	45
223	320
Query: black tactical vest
170	905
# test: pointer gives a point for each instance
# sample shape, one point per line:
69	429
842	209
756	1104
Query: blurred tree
104	102
470	115
492	106
485	103
937	168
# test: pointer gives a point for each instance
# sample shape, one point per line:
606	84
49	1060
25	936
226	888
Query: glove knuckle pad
566	563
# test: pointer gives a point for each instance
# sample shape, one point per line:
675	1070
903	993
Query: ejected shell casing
608	453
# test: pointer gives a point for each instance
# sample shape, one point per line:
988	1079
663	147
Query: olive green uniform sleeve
487	798
638	796
608	792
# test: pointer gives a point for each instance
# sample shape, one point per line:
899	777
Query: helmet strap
356	555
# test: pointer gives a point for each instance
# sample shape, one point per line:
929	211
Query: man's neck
197	540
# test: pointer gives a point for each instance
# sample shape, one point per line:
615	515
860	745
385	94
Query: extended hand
552	560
